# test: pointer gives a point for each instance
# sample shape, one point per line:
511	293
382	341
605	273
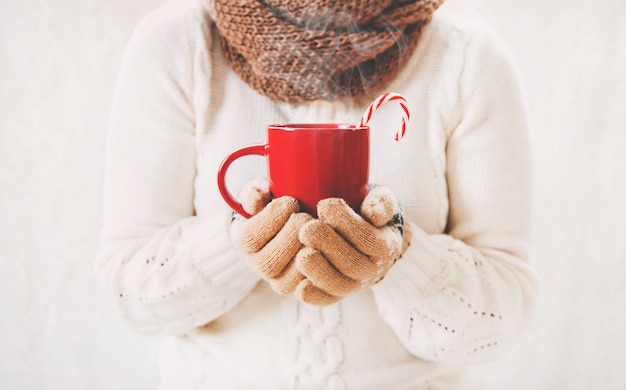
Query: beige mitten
345	252
269	239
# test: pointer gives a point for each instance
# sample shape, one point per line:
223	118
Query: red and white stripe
389	96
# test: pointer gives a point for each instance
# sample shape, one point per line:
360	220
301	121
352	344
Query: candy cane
389	96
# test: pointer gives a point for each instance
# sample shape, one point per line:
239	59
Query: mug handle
260	150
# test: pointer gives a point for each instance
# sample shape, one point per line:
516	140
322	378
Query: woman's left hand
345	252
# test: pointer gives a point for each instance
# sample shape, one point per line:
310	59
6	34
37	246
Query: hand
345	252
269	240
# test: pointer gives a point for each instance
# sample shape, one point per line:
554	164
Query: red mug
309	162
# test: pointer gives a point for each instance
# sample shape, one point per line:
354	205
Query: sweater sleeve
168	269
465	296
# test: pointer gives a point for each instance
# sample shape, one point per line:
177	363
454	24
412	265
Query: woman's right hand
269	239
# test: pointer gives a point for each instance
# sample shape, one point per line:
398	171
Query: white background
58	64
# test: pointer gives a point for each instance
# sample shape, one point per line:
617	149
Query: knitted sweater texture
462	293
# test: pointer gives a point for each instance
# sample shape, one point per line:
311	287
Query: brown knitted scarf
304	50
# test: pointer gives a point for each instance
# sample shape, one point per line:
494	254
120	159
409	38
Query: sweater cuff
419	271
216	259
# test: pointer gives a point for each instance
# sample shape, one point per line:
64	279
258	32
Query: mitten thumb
255	195
379	206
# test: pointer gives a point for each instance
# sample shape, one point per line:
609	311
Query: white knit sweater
462	292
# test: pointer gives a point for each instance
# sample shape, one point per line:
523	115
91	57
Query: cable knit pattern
437	151
463	291
317	348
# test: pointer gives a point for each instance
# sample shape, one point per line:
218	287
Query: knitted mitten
269	240
345	252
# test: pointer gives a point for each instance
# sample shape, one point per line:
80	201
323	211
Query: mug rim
316	126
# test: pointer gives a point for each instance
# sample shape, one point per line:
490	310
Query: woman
203	77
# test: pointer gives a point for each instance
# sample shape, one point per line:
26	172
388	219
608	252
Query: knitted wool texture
305	50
